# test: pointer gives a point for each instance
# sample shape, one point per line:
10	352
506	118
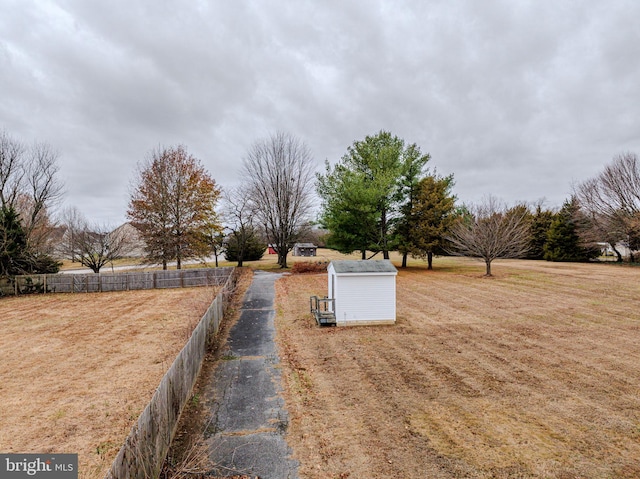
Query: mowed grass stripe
76	370
532	373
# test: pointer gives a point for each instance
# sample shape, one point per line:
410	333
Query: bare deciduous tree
72	221
490	231
611	202
279	176
93	246
11	169
240	215
29	184
215	239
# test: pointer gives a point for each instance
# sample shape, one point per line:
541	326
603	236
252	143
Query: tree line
379	197
29	189
176	210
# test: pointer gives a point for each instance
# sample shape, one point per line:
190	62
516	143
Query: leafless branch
279	175
93	246
490	231
29	184
611	203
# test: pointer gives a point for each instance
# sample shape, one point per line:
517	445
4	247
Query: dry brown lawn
534	373
76	370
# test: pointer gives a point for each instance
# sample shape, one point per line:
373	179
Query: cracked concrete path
249	419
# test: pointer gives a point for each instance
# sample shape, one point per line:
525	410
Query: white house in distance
364	292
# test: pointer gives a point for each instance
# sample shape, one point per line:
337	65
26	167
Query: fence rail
94	283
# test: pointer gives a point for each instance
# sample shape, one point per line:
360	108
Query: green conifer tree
13	244
563	242
246	247
540	222
15	256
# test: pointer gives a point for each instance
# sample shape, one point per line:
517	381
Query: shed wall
365	298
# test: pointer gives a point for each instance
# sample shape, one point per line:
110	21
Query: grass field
533	373
76	370
267	262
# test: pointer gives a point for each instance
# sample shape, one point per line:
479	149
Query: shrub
309	267
254	247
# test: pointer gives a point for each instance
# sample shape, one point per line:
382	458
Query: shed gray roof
364	266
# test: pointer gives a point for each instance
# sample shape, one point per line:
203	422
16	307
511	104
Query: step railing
323	309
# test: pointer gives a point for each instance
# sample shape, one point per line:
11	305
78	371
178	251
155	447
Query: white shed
364	291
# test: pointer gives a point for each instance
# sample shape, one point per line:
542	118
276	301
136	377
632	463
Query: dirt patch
532	373
76	370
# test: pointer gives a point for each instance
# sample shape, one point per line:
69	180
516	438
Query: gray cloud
517	99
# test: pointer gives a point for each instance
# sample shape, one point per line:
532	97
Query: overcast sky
518	99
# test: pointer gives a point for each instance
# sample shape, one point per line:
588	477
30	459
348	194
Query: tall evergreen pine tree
563	242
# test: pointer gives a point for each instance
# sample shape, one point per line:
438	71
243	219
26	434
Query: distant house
272	249
136	243
64	247
304	249
364	292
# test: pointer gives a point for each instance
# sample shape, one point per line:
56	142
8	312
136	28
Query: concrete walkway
248	415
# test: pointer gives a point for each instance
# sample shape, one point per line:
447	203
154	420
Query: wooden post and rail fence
104	282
